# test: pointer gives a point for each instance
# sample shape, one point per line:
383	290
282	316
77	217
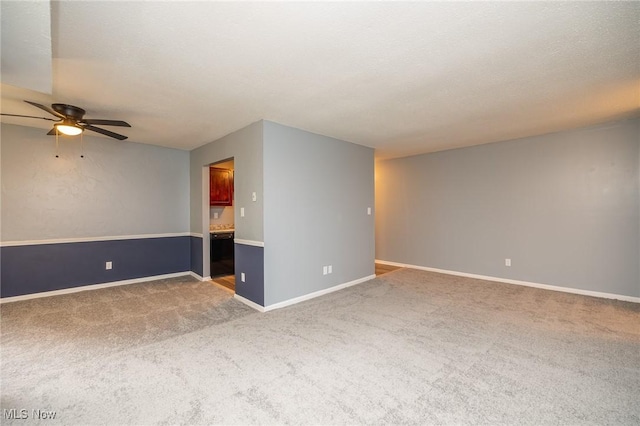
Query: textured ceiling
26	44
404	78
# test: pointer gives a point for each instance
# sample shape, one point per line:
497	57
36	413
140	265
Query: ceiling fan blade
46	108
106	122
52	132
28	116
105	132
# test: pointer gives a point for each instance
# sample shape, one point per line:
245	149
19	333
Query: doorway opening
222	223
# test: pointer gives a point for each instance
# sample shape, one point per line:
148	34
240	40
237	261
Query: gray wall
564	207
317	190
119	188
245	147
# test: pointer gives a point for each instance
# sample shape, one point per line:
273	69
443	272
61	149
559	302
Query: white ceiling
404	78
26	45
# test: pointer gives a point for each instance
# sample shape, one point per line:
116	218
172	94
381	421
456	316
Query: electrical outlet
507	262
215	215
108	265
253	196
369	211
241	211
330	269
242	278
324	270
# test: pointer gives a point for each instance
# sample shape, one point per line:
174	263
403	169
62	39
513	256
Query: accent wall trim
91	239
41	268
89	287
195	256
312	295
518	282
196	234
249	262
249	242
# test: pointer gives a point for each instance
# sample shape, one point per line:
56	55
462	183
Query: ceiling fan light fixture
69	128
70	121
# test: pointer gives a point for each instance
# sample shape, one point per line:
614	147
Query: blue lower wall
45	267
250	260
196	255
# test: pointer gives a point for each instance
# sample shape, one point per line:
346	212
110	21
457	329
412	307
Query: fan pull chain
57	144
81	145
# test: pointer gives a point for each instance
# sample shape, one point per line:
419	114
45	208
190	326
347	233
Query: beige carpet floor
409	347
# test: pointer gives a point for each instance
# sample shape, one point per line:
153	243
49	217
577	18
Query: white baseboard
302	298
199	277
248	302
318	293
517	282
196	276
90	287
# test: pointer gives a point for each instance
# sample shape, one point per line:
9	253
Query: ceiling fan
70	121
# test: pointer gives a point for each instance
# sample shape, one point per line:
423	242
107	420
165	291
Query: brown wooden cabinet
220	187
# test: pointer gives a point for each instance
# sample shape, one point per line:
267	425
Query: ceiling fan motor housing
70	111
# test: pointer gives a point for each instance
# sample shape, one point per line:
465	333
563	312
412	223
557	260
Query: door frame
206	237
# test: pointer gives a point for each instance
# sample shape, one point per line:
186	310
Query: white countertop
221	231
